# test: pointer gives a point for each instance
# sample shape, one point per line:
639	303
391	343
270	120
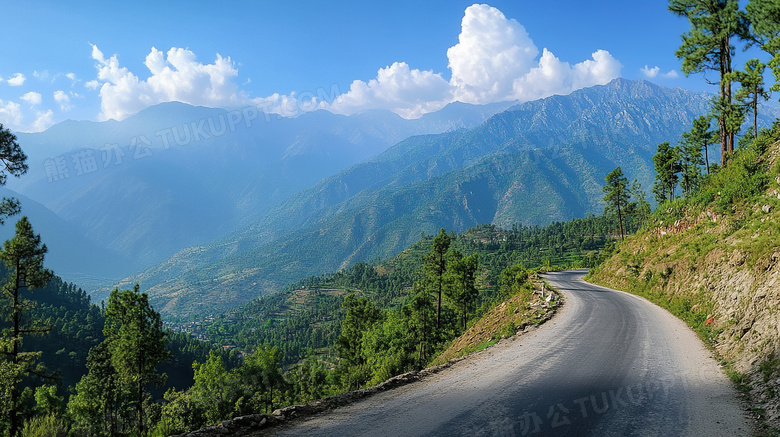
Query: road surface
609	364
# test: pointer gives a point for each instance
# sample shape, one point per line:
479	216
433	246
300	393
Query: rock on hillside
721	272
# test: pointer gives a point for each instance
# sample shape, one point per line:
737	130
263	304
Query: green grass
740	380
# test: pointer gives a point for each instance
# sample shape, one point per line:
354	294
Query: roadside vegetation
709	253
711	258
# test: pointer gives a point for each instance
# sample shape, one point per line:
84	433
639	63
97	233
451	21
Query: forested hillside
307	315
52	333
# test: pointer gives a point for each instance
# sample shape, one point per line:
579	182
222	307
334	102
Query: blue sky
95	60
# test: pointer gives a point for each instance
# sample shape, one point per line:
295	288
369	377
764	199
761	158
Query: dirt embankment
512	317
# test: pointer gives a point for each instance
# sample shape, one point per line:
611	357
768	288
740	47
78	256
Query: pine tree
616	196
691	159
708	46
701	136
23	257
261	371
360	318
641	207
136	344
459	283
666	168
14	163
421	314
96	406
751	91
764	16
435	266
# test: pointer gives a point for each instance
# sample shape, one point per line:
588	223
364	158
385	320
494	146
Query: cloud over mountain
494	60
408	92
175	76
652	73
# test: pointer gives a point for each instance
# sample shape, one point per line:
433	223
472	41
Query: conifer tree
701	136
764	16
421	313
435	267
113	396
136	342
666	168
690	161
13	162
616	195
459	283
709	46
641	206
751	89
23	257
361	316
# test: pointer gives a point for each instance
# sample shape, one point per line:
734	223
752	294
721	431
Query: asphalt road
609	364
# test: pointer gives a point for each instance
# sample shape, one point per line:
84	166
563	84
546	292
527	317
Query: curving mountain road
609	364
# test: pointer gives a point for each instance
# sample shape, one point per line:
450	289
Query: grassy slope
526	308
713	260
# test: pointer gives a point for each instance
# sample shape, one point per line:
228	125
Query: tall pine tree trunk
438	300
755	116
724	138
14	430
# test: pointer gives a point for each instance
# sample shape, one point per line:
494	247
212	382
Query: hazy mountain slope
94	266
384	222
534	163
175	175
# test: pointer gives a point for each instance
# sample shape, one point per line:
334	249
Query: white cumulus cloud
12	117
32	98
175	76
492	51
10	114
43	121
17	80
494	60
63	100
408	92
654	72
553	76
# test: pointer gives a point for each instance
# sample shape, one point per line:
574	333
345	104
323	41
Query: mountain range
534	163
208	208
175	175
